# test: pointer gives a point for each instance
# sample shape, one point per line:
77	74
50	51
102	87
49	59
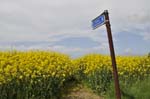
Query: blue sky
65	26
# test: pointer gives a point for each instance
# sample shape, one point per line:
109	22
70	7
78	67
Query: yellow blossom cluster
128	66
33	64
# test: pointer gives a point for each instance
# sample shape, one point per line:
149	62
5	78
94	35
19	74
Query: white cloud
56	17
128	51
55	20
141	18
146	35
74	51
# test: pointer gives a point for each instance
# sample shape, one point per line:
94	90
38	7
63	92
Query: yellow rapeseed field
41	74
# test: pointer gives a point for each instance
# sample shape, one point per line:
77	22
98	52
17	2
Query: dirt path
80	92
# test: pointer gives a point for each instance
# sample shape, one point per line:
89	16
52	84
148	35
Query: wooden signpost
97	22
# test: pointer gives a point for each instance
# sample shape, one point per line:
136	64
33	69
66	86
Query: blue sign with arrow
100	20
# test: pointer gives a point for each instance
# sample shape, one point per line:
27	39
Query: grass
138	90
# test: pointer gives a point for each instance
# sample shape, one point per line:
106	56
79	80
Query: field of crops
42	74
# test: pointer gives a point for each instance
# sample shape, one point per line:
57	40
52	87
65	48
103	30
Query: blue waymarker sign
99	21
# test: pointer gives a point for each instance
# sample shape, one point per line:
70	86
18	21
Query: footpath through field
79	92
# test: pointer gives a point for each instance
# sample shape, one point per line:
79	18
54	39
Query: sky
65	26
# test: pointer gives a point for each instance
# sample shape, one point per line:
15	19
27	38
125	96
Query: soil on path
80	92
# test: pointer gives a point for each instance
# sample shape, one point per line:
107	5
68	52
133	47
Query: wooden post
112	52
